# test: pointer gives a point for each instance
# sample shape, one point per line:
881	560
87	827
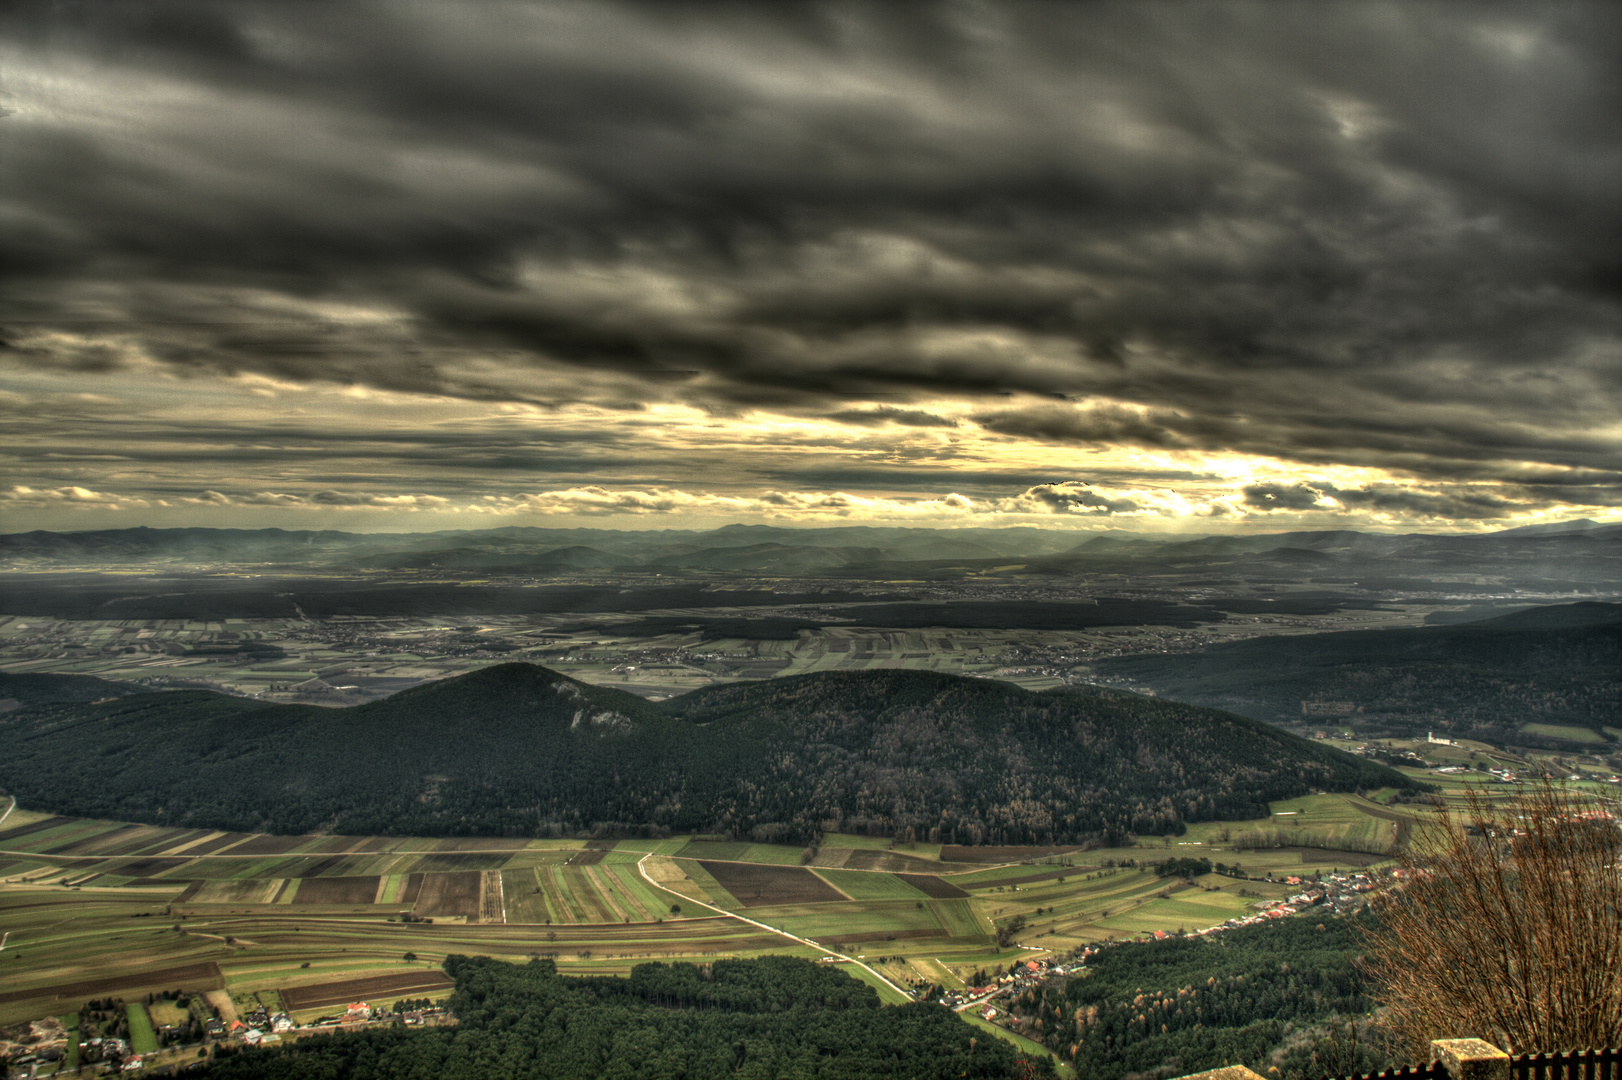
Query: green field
1562	731
887	993
143	1040
869	885
155	901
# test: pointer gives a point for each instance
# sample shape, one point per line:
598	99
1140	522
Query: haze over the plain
1155	266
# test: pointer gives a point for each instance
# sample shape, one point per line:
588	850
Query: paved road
772	929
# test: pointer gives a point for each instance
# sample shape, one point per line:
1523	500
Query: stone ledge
1471	1059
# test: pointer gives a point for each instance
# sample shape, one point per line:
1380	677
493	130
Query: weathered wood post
1471	1059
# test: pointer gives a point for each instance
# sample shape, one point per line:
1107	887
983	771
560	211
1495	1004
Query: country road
770	929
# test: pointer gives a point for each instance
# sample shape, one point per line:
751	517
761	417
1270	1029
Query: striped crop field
652	847
695	880
877	916
1001	874
771	854
958	918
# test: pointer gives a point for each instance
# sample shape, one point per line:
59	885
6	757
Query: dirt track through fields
490	897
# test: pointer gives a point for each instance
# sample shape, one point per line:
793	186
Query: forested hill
1559	664
520	750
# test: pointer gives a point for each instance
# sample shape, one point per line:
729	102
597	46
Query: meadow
104	908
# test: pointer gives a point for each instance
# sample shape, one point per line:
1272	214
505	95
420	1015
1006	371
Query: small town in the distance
763	801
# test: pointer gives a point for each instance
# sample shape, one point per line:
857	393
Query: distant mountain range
518	750
1560	664
1578	555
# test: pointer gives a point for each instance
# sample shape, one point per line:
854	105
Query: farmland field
932	886
449	895
862	885
1562	731
250	918
379	989
759	853
337	890
756	885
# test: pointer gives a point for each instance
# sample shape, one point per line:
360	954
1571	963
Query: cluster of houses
1339	894
1023	976
359	1012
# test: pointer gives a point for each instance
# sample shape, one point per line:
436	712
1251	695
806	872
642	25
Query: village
1336	895
44	1047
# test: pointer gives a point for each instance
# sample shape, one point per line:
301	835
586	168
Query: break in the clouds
1216	263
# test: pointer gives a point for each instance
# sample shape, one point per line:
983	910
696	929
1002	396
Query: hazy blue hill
775	558
493	560
519	750
1558	664
1560	558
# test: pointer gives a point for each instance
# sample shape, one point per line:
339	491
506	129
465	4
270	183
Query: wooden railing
1575	1065
1434	1070
1473	1059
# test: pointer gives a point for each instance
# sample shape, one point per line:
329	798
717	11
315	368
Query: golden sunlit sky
406	266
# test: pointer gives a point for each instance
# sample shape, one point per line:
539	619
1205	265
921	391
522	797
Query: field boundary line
832	886
774	930
9	809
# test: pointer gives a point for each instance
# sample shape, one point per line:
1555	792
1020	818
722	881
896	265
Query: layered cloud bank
1225	263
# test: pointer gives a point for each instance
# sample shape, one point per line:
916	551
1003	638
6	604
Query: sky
1187	267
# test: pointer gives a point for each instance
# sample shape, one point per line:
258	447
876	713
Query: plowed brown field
933	887
190	977
448	894
336	890
383	988
759	885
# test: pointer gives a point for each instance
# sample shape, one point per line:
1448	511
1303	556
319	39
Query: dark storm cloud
886	414
1406	502
1379	234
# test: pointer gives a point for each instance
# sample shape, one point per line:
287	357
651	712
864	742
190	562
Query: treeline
766	1018
1282	995
517	750
1470	678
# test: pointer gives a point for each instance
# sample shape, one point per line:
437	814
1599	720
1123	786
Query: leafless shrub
1508	927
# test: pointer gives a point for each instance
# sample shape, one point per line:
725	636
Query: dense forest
519	750
766	1018
1284	994
1559	665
